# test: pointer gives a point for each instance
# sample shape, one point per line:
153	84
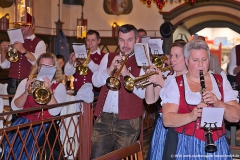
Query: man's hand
72	58
115	63
19	47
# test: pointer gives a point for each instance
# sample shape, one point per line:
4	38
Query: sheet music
155	46
212	115
80	50
15	35
142	55
145	39
46	71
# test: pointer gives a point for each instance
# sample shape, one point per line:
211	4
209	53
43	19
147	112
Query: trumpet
41	95
11	54
83	69
142	81
112	82
158	61
210	147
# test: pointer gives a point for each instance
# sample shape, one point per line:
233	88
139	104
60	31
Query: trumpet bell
113	83
12	56
41	96
82	70
159	61
128	83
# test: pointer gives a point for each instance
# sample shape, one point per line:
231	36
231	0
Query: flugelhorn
112	82
41	95
11	54
210	147
83	69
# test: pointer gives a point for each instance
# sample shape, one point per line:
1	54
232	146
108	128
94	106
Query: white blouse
170	92
60	95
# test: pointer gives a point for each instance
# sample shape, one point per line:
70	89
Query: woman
23	100
152	94
185	90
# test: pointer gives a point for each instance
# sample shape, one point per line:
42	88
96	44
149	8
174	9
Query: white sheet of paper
15	35
142	55
212	115
155	46
145	39
46	71
80	50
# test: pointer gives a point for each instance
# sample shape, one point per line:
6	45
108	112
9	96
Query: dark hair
201	38
90	32
127	28
179	43
59	56
142	30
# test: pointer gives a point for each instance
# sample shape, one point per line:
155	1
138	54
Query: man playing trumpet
92	41
118	111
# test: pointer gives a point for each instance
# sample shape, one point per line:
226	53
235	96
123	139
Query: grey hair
195	44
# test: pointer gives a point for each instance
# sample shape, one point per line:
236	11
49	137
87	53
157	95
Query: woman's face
177	59
198	60
46	61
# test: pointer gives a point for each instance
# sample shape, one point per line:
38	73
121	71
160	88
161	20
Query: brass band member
28	52
182	104
92	41
23	100
156	150
118	112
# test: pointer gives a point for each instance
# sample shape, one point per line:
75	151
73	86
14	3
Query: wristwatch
24	53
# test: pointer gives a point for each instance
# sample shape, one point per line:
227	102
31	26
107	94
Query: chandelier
161	3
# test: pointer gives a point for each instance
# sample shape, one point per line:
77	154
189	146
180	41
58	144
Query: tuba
41	95
83	69
11	54
210	147
112	82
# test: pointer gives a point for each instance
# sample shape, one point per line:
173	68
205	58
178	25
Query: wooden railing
72	134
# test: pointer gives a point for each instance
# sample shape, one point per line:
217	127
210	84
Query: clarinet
210	147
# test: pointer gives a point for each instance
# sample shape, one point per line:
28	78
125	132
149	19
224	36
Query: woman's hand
210	98
47	83
28	85
197	111
156	79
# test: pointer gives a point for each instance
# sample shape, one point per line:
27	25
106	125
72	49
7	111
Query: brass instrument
83	69
158	61
210	147
11	54
141	81
112	82
41	95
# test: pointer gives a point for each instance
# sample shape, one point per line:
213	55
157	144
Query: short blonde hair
58	75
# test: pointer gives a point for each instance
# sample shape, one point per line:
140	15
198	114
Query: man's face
140	35
126	42
27	30
92	42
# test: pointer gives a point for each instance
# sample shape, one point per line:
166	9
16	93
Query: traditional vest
21	68
80	80
129	105
190	129
238	63
37	115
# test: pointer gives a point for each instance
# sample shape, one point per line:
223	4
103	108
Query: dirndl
158	140
191	148
27	136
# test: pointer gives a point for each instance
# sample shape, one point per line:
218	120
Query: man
214	66
28	52
92	41
118	112
141	33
